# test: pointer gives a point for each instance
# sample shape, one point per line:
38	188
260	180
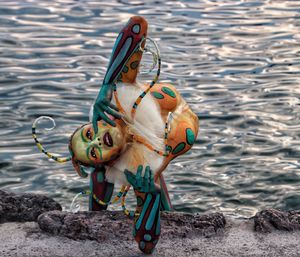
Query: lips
107	139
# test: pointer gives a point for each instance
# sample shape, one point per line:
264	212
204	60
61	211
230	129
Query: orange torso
184	124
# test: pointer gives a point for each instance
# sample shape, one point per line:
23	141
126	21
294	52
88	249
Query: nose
96	141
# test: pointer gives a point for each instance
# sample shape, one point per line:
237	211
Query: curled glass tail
75	207
39	145
155	55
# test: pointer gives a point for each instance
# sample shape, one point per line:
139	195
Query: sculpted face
92	149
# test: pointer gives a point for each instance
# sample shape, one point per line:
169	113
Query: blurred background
237	64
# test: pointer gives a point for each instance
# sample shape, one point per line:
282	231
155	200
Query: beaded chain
122	193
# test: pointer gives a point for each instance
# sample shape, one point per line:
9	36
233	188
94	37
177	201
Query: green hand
103	106
143	184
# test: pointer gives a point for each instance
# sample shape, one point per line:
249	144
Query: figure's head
90	149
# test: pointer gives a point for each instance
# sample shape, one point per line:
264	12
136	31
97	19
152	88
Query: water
236	63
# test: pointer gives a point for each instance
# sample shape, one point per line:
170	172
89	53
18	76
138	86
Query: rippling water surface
236	63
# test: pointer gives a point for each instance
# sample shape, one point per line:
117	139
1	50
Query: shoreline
26	239
38	228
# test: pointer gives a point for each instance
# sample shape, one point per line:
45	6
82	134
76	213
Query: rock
110	225
85	225
25	207
270	219
187	225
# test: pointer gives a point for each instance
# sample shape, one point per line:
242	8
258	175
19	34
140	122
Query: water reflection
236	63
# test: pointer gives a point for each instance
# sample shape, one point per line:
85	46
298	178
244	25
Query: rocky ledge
25	207
111	225
52	232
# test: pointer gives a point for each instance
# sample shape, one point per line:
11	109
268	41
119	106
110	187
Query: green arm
103	105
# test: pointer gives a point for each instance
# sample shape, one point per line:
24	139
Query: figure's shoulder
165	90
166	95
